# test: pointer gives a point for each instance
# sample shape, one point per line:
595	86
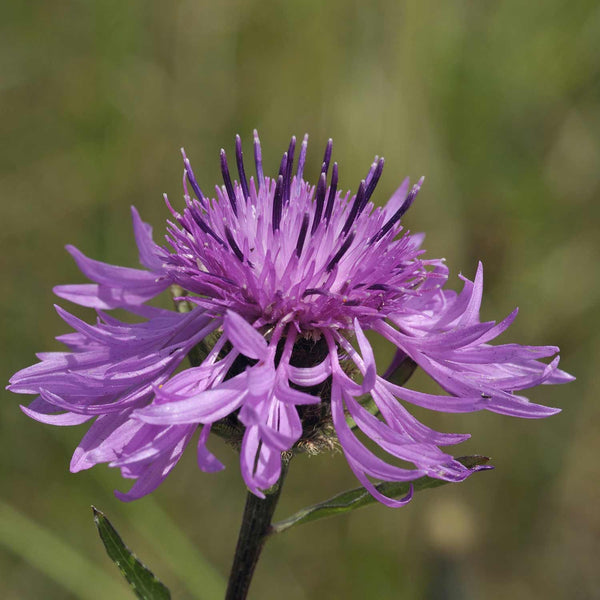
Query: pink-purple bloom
281	280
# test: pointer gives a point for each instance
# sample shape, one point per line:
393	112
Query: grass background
497	103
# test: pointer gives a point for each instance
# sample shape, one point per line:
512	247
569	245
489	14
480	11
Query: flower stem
256	523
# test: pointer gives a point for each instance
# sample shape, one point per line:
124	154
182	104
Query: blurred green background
497	103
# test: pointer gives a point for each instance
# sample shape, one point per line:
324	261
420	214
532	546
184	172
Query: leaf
142	581
359	497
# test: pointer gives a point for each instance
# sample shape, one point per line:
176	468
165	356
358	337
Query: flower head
279	280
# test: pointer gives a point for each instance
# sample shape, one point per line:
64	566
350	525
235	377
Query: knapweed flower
279	280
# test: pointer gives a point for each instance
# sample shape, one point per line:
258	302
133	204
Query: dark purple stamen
379	287
302	236
288	170
277	203
204	227
227	180
320	198
340	252
258	161
239	156
398	214
354	211
332	191
372	183
233	244
313	292
327	156
190	177
283	165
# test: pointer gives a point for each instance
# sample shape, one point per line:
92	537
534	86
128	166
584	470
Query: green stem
255	528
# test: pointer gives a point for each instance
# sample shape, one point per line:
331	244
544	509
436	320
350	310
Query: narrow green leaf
142	581
359	497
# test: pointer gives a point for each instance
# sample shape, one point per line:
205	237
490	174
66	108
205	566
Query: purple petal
62	419
104	440
400	419
260	464
149	443
110	275
387	501
393	442
151	475
244	338
207	461
354	450
471	313
368	358
119	286
206	407
309	376
260	379
291	396
559	376
396	199
434	402
151	256
86	294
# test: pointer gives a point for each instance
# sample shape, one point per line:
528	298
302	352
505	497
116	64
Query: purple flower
280	280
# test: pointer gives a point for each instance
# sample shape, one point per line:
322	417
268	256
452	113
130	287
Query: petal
393	442
207	461
518	406
151	475
396	199
368	358
206	407
440	403
505	353
104	440
111	275
151	256
248	460
260	464
401	419
390	502
471	313
85	294
309	376
291	396
62	419
497	329
260	379
149	443
244	338
358	453
559	376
